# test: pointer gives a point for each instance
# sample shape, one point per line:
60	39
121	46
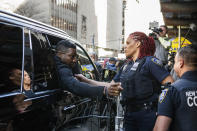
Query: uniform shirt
180	102
151	67
70	83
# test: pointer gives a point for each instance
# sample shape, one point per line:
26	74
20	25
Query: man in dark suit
65	61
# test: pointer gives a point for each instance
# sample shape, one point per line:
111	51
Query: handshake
111	89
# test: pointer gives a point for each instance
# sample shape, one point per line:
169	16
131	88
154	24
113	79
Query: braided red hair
147	47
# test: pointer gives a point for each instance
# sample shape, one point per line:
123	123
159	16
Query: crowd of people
139	81
151	98
109	63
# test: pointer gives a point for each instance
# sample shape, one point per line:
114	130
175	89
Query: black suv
30	98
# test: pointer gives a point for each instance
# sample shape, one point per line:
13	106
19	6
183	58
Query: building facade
114	25
58	13
87	31
97	24
102	20
124	5
64	15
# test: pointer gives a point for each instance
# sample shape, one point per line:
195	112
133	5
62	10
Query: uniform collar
131	60
191	75
138	59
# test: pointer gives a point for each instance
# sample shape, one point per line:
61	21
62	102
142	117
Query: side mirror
108	75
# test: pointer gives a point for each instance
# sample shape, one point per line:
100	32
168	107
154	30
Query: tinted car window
87	69
44	76
28	63
11	59
11	51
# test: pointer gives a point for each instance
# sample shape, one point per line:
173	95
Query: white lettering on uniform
191	98
194	99
190	93
189	102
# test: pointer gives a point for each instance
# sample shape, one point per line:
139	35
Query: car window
44	76
11	50
28	63
86	67
83	65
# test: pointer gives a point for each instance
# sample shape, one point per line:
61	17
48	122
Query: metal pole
179	35
185	37
120	45
93	42
119	115
117	125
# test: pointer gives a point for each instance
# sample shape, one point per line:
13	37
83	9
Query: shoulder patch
157	61
163	95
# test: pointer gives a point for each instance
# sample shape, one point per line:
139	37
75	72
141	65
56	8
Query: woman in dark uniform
141	77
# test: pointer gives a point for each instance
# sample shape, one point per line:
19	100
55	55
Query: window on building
83	27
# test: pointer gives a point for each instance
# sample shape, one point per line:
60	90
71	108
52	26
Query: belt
142	106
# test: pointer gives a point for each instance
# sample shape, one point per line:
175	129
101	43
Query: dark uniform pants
143	120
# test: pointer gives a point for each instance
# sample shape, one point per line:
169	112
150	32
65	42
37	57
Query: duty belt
142	106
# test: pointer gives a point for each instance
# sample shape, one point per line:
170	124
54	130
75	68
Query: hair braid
147	47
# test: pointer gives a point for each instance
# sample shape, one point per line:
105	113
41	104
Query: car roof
23	21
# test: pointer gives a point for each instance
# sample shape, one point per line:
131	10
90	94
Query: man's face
93	57
130	47
68	57
15	76
112	62
163	33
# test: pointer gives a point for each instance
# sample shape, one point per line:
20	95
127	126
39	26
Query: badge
125	66
163	95
157	61
135	65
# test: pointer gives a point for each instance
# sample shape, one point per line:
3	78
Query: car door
44	86
12	98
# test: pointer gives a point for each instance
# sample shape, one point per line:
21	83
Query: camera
154	27
157	30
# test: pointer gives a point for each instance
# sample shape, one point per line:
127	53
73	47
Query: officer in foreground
140	78
177	106
66	58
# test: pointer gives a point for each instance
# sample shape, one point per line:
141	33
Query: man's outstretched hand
111	89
